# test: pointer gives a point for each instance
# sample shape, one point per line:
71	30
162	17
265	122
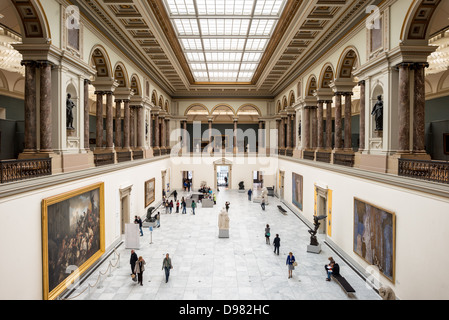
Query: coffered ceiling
147	31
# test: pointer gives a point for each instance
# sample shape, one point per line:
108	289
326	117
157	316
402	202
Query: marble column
46	144
306	125
184	136
126	124
260	136
320	142
139	126
404	108
109	121
156	133
167	133
338	122
295	131
163	132
362	116
118	123
235	135
283	133
289	131
419	133
132	128
278	128
210	134
86	114
314	127
348	117
99	120
30	106
329	124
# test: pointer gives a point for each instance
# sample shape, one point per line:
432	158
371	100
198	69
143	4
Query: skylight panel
186	27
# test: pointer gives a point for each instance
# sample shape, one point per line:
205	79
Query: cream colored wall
398	12
52	9
20	227
421	226
234	103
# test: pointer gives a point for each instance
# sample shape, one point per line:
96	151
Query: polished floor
242	267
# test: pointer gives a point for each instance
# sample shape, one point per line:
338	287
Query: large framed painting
149	191
374	236
73	236
297	190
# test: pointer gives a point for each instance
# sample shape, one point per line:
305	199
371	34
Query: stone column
404	108
139	126
156	131
306	124
45	104
118	123
184	135
167	133
419	137
320	142
86	114
362	116
329	124
235	136
163	132
260	136
289	131
210	134
30	106
295	130
338	122
348	116
278	128
126	125
109	121
283	133
314	129
132	123
99	120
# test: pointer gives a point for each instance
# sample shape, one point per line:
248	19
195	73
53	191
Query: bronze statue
316	222
378	113
69	109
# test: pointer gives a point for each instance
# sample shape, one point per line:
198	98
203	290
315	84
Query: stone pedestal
314	249
223	233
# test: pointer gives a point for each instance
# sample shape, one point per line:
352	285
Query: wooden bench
344	284
282	210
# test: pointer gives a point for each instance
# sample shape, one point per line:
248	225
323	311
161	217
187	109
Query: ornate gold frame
84	267
154	192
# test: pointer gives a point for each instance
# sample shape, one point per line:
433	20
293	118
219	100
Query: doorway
125	205
187	180
281	185
257	180
321	207
223	176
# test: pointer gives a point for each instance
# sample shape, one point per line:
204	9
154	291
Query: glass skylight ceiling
224	40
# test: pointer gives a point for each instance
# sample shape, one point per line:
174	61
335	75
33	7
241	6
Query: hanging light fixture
10	58
439	60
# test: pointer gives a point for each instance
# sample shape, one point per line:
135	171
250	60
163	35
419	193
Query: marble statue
223	224
378	112
387	293
263	195
69	112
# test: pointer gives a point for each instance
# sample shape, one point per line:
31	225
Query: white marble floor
242	267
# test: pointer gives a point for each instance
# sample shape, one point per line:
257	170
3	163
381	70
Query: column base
56	159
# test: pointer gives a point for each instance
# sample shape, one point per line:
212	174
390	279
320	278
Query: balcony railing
138	155
123	156
344	159
436	171
323	157
14	170
309	155
102	159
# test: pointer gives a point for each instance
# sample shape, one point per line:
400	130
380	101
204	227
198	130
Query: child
177	206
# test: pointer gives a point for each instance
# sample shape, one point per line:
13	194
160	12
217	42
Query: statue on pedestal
223	224
378	113
241	185
69	112
316	222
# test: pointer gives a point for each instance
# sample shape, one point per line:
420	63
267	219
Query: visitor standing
267	234
184	206
291	263
167	207
139	269
227	204
138	221
250	192
166	264
171	206
158	220
277	244
177	206
175	195
132	261
215	198
262	203
193	207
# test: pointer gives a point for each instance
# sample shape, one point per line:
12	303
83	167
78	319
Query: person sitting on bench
332	268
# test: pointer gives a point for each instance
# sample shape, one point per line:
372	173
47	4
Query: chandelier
10	58
439	60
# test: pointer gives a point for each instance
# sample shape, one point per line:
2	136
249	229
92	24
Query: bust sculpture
378	112
69	112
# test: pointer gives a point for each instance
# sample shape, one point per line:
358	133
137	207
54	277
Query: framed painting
374	237
297	190
73	236
149	191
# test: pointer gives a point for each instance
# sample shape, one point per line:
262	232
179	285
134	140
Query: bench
344	284
282	210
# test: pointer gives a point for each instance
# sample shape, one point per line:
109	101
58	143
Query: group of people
138	267
291	260
187	184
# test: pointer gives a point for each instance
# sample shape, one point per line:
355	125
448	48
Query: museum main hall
224	150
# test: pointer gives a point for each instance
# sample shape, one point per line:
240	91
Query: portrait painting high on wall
374	237
72	236
297	190
149	192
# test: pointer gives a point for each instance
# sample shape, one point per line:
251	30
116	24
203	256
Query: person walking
184	206
193	207
175	195
132	261
267	234
250	192
139	269
177	206
277	244
138	221
166	264
291	263
227	204
158	220
171	206
215	198
167	207
262	204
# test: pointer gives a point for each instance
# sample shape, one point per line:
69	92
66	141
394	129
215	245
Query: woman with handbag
291	263
267	234
139	269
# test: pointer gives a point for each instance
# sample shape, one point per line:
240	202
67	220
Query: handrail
14	170
436	171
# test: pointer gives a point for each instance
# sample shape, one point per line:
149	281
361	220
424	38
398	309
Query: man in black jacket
133	260
277	244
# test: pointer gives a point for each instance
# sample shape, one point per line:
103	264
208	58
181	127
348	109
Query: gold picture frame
61	219
150	186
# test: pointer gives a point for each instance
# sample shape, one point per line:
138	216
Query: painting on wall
374	237
297	190
150	191
73	236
